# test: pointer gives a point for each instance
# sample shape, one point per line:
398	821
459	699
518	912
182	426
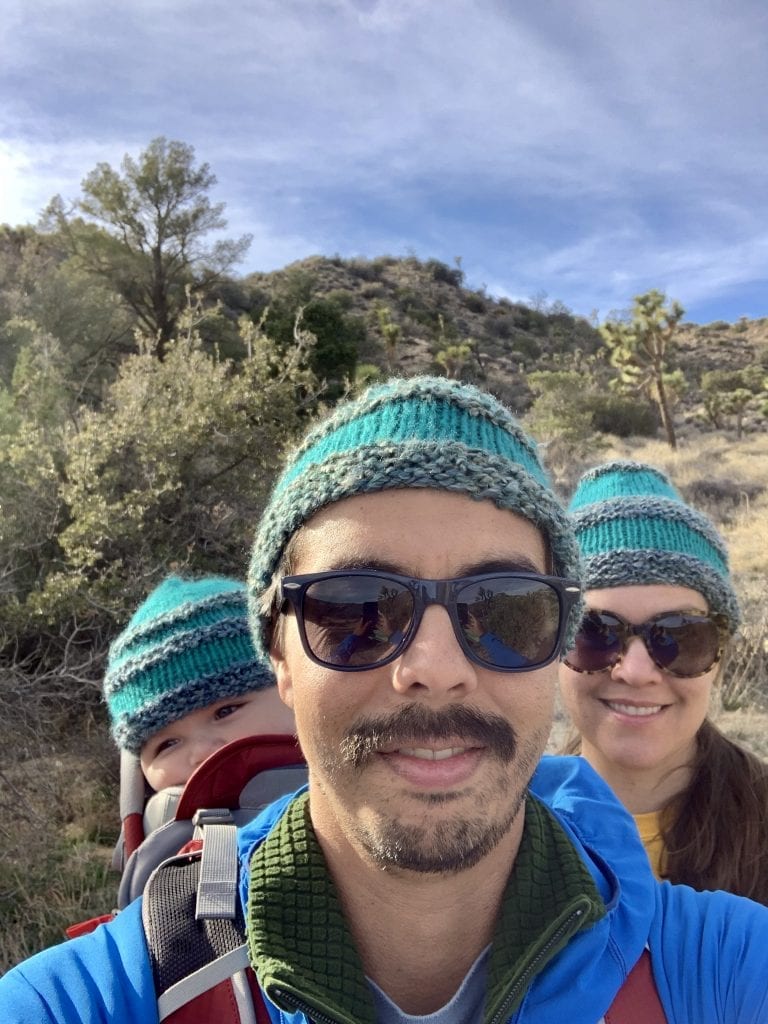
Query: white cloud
595	144
33	173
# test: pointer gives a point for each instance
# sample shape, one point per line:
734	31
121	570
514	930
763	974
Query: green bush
171	472
526	346
439	271
475	302
624	416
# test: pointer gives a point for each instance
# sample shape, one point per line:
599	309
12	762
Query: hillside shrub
440	271
623	416
526	347
475	302
171	473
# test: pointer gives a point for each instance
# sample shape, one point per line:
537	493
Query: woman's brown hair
716	831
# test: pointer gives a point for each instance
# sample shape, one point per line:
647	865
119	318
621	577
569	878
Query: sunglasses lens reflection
510	622
681	643
356	620
360	621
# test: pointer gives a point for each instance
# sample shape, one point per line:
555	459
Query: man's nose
433	662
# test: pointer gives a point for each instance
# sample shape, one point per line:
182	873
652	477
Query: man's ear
283	676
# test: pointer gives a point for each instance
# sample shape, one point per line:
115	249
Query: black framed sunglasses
353	620
683	643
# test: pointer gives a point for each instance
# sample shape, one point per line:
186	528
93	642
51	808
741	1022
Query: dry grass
58	825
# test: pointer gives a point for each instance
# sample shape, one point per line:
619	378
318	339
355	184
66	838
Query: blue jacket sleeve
102	977
709	956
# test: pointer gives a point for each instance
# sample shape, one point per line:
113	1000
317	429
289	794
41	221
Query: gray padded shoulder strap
163	843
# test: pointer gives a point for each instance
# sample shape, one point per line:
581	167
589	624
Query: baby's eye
165	745
227	710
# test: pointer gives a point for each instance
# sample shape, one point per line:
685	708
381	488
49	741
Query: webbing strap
206	977
242	992
217	888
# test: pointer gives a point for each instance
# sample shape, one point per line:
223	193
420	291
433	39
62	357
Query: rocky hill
431	311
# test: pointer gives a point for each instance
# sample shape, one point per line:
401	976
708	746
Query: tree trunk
666	415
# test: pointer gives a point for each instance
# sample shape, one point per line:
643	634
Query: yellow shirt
649	827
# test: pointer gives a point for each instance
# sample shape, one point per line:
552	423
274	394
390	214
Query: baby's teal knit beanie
425	432
633	527
186	646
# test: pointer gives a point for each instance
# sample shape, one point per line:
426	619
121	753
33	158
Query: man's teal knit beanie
187	646
424	432
633	527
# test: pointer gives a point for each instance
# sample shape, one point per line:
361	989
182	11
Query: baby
183	679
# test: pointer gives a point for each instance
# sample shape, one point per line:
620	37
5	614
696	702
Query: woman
660	612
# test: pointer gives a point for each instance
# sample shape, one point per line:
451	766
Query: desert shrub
475	302
623	416
500	326
373	291
561	416
172	471
744	680
527	319
365	374
526	346
364	269
440	271
720	498
338	334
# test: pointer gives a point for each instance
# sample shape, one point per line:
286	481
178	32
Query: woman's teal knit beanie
424	432
187	646
634	528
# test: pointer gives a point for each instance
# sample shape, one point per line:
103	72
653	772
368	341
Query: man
432	872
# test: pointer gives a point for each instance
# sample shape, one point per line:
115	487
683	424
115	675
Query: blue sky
586	149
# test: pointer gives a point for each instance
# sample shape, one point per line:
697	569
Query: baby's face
170	756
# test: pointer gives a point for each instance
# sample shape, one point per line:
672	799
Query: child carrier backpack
229	788
241	778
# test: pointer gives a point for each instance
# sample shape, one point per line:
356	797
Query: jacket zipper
312	1015
530	969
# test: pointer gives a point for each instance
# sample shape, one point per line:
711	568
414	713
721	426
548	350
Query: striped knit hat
422	432
186	646
634	528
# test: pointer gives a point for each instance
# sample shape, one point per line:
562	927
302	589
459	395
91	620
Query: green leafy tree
641	349
144	230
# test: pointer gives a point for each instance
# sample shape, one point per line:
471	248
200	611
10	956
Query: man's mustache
414	725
